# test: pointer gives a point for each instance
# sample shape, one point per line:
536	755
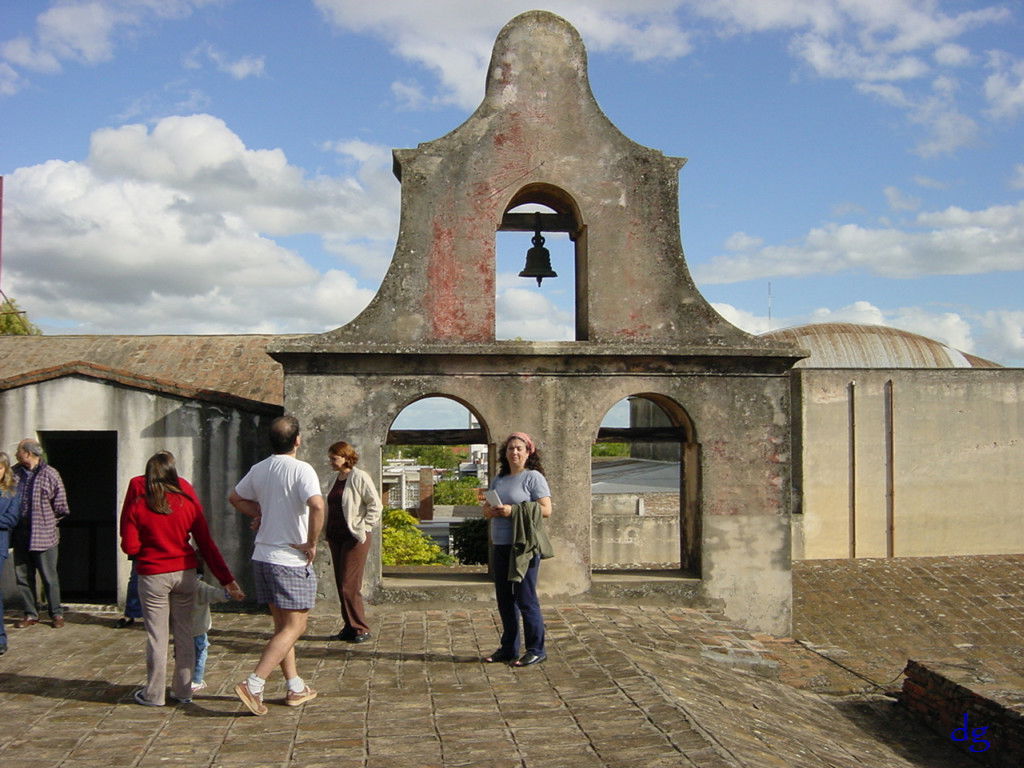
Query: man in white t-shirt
282	496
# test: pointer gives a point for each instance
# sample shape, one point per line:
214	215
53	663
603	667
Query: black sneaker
360	637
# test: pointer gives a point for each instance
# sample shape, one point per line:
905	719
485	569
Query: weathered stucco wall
214	446
951	483
635	530
741	422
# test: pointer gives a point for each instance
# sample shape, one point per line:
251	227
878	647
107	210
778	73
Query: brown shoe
58	622
28	621
293	699
253	701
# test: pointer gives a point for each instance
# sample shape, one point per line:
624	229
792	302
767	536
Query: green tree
402	543
437	456
14	322
460	491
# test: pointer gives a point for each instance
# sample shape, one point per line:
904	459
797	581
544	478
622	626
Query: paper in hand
493	498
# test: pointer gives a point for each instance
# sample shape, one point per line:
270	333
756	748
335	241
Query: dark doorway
87	462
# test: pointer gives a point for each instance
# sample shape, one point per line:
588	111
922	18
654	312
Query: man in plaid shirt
35	539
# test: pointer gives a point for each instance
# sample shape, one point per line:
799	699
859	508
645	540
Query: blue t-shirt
528	485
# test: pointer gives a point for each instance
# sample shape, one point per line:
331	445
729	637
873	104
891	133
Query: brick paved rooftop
625	685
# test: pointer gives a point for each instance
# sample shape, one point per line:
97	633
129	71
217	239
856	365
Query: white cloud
872	44
863	312
426	33
408	95
747	321
1002	336
841	210
901	202
952	55
241	68
950	328
86	31
997	335
172	229
10	80
929	183
1004	88
741	241
1017	180
525	313
950	242
937	112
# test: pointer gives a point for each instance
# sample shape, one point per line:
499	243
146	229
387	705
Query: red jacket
160	543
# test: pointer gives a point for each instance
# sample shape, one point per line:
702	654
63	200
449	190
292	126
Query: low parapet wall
987	724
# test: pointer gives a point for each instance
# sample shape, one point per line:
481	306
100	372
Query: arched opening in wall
436	455
645	494
550	302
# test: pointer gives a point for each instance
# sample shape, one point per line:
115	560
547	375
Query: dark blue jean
515	601
3	632
132	604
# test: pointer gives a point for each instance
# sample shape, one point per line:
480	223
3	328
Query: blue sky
220	166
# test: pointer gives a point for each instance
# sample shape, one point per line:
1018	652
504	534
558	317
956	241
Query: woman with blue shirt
521	479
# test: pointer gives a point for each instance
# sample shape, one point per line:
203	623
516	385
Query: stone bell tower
642	329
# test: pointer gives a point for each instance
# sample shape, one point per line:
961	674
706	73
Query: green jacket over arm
528	538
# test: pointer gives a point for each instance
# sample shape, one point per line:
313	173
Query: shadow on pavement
886	722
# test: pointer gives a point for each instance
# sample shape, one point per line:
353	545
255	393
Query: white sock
255	684
296	685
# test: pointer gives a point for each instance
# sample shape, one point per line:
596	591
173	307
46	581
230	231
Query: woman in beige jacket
353	510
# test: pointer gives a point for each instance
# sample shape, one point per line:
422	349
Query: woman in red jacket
155	527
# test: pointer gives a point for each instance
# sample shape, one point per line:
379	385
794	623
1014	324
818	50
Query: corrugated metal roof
190	366
849	345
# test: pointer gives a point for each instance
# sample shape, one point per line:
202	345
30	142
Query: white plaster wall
214	445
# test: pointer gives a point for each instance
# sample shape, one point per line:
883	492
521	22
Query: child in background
202	622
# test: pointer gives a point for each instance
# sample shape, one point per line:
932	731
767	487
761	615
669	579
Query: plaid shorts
292	588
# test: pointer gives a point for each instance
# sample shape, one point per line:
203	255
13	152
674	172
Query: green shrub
461	491
469	540
402	543
610	449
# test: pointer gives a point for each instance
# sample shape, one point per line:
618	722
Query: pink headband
524	437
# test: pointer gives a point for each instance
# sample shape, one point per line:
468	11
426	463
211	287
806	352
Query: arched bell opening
541	267
645	489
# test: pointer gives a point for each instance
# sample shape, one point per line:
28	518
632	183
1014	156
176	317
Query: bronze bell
538	259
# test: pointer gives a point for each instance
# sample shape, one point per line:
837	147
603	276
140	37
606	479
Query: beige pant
167	605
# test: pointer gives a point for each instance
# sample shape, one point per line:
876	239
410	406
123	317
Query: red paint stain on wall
447	290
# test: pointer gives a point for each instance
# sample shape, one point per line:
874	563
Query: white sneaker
196	687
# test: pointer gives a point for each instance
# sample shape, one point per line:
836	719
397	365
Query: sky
224	166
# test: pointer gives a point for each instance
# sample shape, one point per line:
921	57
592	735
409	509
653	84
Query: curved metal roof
849	345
